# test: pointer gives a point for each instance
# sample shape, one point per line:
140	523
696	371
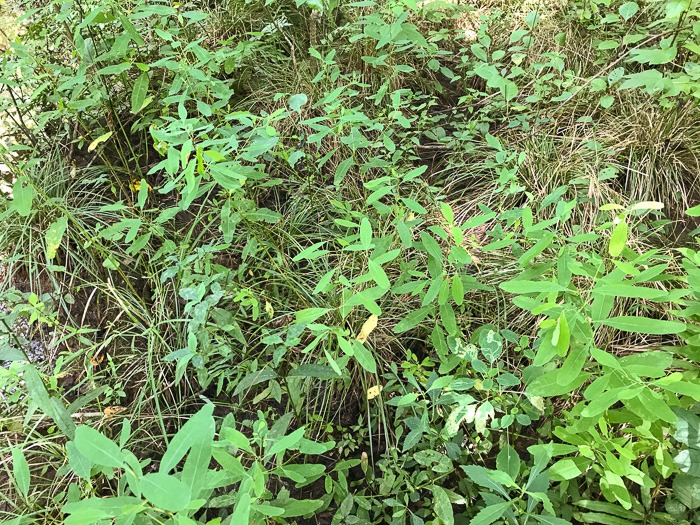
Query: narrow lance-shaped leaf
20	470
618	239
138	95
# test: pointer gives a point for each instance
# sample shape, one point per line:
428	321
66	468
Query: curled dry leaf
370	324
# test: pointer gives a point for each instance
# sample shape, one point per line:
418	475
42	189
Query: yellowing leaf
611	206
373	391
54	235
367	328
648	205
98	140
135	185
618	239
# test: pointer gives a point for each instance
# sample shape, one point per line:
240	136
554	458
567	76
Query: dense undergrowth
363	262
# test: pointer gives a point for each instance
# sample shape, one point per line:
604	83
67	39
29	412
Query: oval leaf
97	447
165	492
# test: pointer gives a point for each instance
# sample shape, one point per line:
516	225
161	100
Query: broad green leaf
538	248
607	101
508	461
442	505
412	319
365	233
365	358
297	101
294	508
447	212
165	492
628	10
479	475
694	211
457	289
490	514
139	92
378	274
687	490
106	506
644	325
674	8
79	463
431	246
54	235
286	442
309	315
626	290
532	18
22	195
341	170
447	315
313	370
97	447
322	285
264	214
311	253
602	402
198	427
52	406
20	471
568	468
